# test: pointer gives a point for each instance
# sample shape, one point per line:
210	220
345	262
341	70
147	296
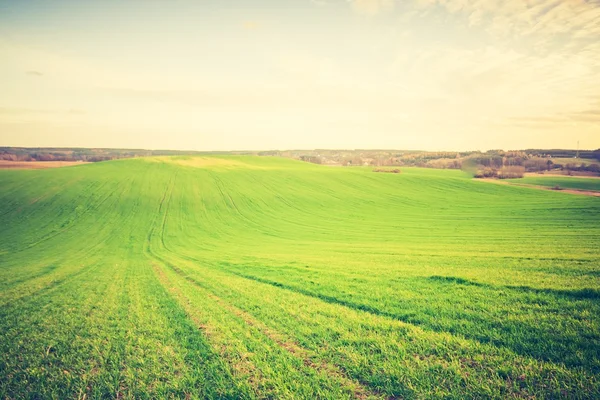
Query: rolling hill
264	277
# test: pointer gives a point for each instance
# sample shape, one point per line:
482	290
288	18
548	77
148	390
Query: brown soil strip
577	191
571	191
5	164
360	391
556	175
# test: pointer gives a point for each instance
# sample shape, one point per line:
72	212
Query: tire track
583	294
324	297
168	192
228	199
49	286
243	366
308	358
70	224
40	273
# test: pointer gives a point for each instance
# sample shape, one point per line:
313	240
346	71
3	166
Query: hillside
264	277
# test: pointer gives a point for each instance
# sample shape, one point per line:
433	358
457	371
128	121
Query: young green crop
248	277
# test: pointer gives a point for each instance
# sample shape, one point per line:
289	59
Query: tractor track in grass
70	224
494	350
243	366
47	287
164	209
229	200
327	299
43	271
47	272
323	297
7	209
166	214
359	390
167	193
577	295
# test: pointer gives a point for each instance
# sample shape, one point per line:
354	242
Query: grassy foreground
241	277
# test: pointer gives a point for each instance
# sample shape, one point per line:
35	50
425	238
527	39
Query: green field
566	182
247	277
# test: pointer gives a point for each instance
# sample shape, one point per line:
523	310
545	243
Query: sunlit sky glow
277	74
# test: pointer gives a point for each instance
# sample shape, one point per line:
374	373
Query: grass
562	182
246	277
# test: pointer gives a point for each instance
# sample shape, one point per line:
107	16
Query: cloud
12	111
372	7
575	19
20	111
34	73
322	3
24	115
591	115
533	64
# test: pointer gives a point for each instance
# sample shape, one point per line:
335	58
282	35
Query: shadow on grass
523	333
585	293
41	272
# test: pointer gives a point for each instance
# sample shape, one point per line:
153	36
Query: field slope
246	277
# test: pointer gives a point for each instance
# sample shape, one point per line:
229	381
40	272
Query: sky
300	74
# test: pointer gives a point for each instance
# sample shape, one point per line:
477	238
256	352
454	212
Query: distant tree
511	172
594	168
536	164
45	157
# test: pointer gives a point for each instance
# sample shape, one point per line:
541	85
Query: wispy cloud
578	19
10	111
19	116
323	3
21	111
536	63
372	7
34	73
